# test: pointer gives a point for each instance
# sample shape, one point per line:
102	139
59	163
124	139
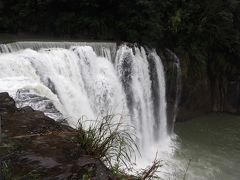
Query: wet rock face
173	85
198	95
206	96
7	104
226	94
195	100
232	97
43	146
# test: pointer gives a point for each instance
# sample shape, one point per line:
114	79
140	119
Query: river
212	145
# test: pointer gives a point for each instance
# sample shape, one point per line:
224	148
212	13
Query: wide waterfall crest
71	80
82	82
105	49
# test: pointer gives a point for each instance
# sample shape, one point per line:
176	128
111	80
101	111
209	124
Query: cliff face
195	100
226	95
35	146
199	94
208	96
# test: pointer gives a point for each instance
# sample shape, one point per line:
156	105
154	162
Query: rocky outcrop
199	94
226	95
42	147
195	100
7	104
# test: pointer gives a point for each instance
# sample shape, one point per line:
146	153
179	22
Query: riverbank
37	146
34	145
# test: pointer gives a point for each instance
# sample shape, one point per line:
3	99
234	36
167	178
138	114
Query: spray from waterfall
68	79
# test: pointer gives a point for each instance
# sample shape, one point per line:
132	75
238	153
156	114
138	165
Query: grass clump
151	171
113	142
6	170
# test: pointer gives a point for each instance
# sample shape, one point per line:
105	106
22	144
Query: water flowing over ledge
68	79
106	49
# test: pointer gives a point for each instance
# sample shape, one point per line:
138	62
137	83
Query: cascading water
104	49
177	87
162	105
133	69
76	79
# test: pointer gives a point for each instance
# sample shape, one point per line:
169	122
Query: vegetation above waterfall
205	33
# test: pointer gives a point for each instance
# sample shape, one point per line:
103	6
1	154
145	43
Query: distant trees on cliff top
207	32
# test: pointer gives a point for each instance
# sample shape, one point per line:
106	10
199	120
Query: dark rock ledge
42	147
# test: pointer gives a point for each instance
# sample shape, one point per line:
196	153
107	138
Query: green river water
212	143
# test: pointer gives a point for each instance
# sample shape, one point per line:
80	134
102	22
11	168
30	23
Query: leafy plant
88	174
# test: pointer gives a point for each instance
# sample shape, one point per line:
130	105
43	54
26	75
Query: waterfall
105	49
70	79
133	69
177	87
162	105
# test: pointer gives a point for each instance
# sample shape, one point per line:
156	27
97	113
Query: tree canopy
207	32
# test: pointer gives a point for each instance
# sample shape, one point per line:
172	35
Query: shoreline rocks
41	146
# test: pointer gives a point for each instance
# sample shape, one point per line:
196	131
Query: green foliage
107	139
200	29
210	37
151	171
176	21
113	142
88	174
33	175
6	170
8	148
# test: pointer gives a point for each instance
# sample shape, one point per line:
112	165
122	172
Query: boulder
7	104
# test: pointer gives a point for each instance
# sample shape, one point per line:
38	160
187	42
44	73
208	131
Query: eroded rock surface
45	146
